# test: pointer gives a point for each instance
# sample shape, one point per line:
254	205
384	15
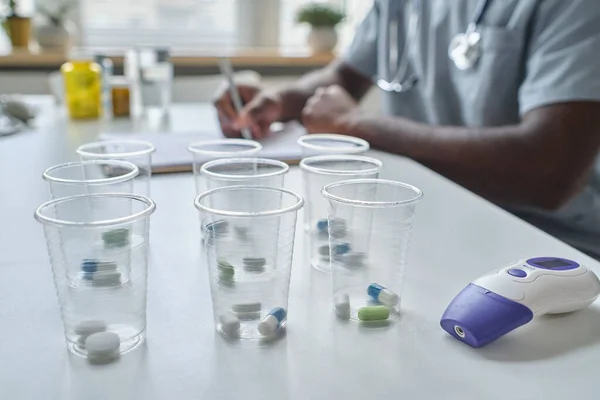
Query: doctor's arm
264	106
543	161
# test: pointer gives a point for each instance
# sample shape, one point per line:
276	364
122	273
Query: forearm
508	164
337	73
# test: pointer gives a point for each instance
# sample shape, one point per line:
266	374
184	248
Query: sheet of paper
172	154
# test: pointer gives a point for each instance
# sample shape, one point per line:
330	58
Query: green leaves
319	15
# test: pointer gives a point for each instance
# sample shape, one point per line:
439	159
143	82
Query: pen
227	72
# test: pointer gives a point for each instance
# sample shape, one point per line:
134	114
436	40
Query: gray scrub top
534	53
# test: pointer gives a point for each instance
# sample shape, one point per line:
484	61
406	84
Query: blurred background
279	39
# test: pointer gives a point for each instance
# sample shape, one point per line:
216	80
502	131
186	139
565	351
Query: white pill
268	325
106	266
102	346
341	303
230	324
86	328
246	307
107	278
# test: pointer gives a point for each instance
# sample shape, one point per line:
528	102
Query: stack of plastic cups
134	151
208	150
318	171
98	249
249	242
369	242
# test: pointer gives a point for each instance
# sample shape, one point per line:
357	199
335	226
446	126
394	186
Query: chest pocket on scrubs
488	92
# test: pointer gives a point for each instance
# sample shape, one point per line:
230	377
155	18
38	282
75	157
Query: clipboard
172	155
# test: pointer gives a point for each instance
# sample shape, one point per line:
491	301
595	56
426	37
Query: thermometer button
516	272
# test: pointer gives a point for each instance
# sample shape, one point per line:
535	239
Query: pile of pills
101	346
387	299
100	273
231	322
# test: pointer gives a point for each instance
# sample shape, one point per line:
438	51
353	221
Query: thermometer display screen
552	264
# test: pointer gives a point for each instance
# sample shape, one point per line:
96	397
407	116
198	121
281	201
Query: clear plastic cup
98	249
244	171
137	152
208	150
317	172
90	177
369	240
329	143
249	242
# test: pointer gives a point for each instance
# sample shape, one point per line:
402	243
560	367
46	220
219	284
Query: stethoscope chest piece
465	49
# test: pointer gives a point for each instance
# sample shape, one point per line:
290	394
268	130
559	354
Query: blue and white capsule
272	321
383	295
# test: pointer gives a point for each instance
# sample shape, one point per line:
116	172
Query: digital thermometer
509	297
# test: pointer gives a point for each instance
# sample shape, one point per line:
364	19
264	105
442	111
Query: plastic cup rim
362	145
284	168
372	204
46	220
103	181
269	213
83	149
255	147
339	157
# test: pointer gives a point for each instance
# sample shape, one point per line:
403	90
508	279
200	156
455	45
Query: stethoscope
464	49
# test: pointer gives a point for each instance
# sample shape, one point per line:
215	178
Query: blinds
197	25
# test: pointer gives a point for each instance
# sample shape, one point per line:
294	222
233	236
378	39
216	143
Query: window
203	25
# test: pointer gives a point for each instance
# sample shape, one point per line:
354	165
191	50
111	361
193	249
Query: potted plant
17	27
55	31
322	20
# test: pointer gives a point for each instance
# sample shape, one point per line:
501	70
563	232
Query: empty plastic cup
98	249
244	171
137	152
249	242
329	143
318	171
89	177
208	150
370	221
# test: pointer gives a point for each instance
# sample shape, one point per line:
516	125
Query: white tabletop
457	237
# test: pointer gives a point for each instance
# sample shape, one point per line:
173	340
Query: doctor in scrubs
501	96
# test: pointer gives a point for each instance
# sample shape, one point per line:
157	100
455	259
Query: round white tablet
102	346
86	328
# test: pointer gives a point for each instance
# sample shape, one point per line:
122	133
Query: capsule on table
373	313
383	295
271	322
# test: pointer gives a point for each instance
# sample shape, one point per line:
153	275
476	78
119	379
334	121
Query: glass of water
137	152
244	171
98	248
369	242
318	171
249	241
89	177
208	150
329	143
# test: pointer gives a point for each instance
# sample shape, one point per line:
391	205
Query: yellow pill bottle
83	88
